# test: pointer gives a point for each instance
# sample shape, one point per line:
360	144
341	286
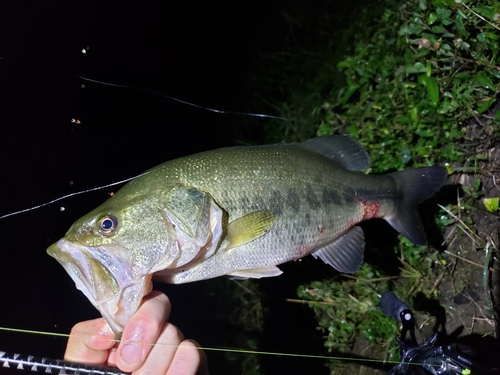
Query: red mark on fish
370	209
302	251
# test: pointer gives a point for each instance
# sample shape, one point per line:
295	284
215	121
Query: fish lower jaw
117	295
118	309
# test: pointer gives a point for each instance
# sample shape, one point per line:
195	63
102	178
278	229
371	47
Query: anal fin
256	273
346	253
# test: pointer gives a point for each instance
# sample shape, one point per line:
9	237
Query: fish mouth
105	280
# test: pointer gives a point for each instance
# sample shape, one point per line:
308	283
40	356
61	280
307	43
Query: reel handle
392	306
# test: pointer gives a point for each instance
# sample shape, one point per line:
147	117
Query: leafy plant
403	79
344	305
426	69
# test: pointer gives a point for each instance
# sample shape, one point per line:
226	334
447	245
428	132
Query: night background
57	137
85	101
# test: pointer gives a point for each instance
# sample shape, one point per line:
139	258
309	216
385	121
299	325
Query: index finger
142	331
89	342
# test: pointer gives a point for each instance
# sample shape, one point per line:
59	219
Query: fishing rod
30	363
16	363
426	358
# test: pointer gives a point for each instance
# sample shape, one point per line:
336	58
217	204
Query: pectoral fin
346	253
248	228
256	273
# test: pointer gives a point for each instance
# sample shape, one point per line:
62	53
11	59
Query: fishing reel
428	357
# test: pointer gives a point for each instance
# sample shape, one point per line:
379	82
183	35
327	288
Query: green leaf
406	155
414	114
481	37
432	87
348	93
437	29
411	29
493	36
462	14
484	80
353	131
476	183
424	133
460	27
433	17
445	14
483	106
462	75
343	64
445	107
485	11
491	204
418	67
324	129
428	69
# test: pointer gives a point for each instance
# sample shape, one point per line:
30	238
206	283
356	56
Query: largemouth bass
237	211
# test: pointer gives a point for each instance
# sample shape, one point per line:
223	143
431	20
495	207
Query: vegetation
404	79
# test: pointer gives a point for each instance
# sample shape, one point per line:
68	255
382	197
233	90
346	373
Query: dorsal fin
342	149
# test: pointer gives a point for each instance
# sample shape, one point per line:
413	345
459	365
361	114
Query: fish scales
237	211
250	187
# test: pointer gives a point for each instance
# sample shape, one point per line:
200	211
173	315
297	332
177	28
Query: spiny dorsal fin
342	149
346	253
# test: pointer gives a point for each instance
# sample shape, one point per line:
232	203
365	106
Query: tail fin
414	186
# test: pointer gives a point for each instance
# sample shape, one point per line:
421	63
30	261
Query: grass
404	79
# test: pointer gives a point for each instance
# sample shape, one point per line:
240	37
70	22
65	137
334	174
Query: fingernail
132	353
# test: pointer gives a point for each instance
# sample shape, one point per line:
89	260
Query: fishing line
213	349
219	111
172	98
227	350
70	195
259	115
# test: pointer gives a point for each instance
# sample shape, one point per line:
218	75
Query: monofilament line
261	115
70	195
227	350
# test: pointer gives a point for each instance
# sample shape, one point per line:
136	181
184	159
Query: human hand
149	344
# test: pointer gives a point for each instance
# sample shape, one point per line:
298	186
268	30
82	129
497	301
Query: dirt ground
465	306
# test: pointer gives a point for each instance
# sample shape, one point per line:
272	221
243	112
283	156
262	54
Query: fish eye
108	224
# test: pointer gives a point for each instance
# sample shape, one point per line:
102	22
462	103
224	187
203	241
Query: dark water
57	138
